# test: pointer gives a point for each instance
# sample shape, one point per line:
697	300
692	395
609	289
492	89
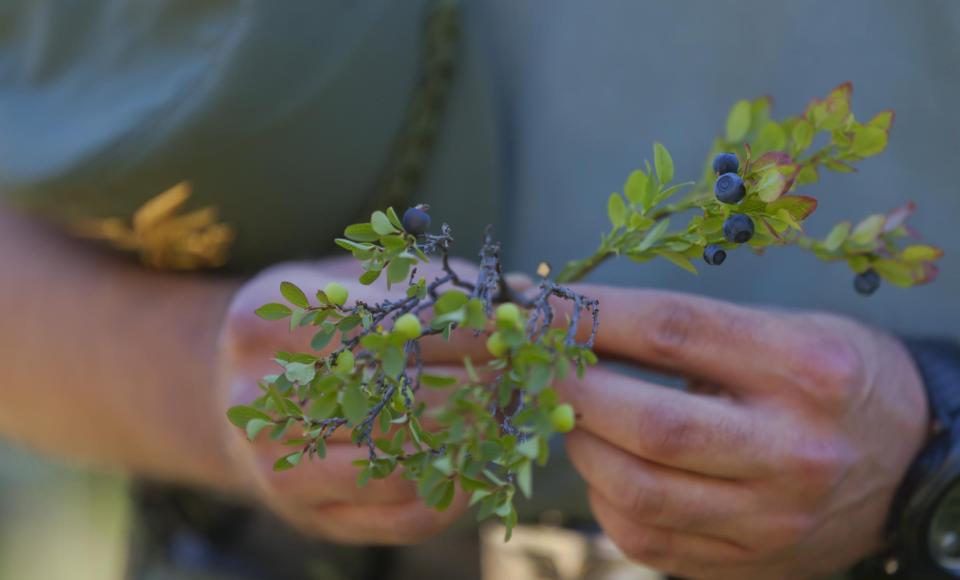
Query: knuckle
646	502
668	432
817	465
669	327
830	368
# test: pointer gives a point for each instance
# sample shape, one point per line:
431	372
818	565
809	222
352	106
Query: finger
708	435
658	496
747	350
333	479
670	551
393	524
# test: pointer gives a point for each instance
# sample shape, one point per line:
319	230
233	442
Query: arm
107	362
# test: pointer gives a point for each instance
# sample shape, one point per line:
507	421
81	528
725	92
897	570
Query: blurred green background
59	522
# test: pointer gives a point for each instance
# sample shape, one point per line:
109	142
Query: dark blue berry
726	163
729	188
714	255
867	282
738	229
416	221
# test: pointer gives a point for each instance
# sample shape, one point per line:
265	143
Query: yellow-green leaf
738	121
663	163
617	211
921	253
868	230
837	236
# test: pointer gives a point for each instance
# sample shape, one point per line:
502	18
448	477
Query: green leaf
240	415
394	361
301	373
476	316
273	311
437	381
837	236
802	135
882	120
679	260
369	277
398	270
921	253
323	337
381	224
652	236
798	206
361	233
738	121
525	478
354	403
442	495
617	211
294	294
868	141
770	138
450	301
896	273
324	406
529	448
868	230
664	164
770	185
255	426
353	246
288	461
638	189
394	218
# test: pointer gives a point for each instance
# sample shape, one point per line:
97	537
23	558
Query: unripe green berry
336	293
508	315
496	346
562	418
408	326
345	362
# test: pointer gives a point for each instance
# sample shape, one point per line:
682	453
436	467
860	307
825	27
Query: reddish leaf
799	206
898	216
930	273
773	158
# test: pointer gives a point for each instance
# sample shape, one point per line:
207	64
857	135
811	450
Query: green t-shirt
283	119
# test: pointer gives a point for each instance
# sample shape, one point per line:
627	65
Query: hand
321	497
780	463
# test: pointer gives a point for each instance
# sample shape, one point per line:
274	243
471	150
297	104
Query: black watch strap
939	365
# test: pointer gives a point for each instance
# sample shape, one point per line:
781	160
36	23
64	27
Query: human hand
321	497
782	460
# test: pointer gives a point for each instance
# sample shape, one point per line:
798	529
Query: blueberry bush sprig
747	196
365	373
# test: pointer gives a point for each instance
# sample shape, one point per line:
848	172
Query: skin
780	462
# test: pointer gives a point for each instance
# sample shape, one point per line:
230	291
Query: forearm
106	362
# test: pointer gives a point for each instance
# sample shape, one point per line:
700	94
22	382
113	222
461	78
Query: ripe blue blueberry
416	221
867	282
726	163
729	188
714	255
738	229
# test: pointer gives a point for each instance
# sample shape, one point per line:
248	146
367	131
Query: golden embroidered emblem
164	238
